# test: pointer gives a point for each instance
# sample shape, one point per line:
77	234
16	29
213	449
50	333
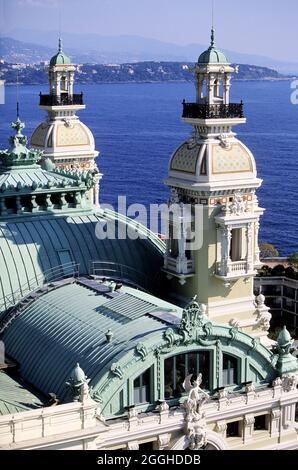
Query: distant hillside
89	47
136	72
18	52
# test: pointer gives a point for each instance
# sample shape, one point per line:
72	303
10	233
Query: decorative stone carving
141	350
78	384
275	413
277	382
132	413
84	393
239	206
249	420
222	393
289	383
68	123
250	388
116	370
133	445
163	441
221	427
195	426
233	334
163	407
225	141
286	363
263	314
169	337
174	199
193	316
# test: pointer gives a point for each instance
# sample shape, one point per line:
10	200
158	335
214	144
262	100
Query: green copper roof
284	337
30	247
69	325
18	155
212	55
14	397
60	58
20	174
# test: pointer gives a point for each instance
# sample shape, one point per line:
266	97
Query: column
199	88
288	416
96	190
49	204
19	207
221	428
249	256
257	249
163	441
62	201
133	445
210	87
227	86
33	205
71	81
3	208
249	422
275	419
58	88
226	248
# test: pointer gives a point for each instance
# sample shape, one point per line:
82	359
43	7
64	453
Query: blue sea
138	126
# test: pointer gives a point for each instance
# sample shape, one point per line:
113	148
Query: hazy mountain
120	49
140	72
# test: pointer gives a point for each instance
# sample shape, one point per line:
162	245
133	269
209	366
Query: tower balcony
179	267
212	111
62	100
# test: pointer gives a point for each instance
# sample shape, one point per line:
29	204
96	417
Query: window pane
169	377
181	373
192	363
204	368
229	374
142	388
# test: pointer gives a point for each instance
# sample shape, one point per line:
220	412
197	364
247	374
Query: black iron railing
212	111
62	100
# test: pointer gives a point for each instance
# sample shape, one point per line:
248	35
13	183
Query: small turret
77	381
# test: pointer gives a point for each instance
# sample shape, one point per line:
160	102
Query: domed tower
62	136
215	174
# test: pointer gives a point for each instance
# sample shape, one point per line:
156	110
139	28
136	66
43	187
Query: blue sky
264	27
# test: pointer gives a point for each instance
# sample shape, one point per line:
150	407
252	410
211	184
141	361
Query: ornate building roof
212	55
60	58
15	397
115	334
20	172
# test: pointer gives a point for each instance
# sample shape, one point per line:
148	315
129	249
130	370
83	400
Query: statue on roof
18	153
195	419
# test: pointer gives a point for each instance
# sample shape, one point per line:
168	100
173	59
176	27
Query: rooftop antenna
212	28
60	27
18	104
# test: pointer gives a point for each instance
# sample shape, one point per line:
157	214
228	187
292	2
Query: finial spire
60	44
18	104
212	37
212	27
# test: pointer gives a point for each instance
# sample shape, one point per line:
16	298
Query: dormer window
229	370
141	387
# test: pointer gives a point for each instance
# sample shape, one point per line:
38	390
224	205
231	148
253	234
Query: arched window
229	370
177	368
141	387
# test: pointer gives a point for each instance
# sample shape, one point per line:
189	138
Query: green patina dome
212	55
60	58
284	337
78	375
